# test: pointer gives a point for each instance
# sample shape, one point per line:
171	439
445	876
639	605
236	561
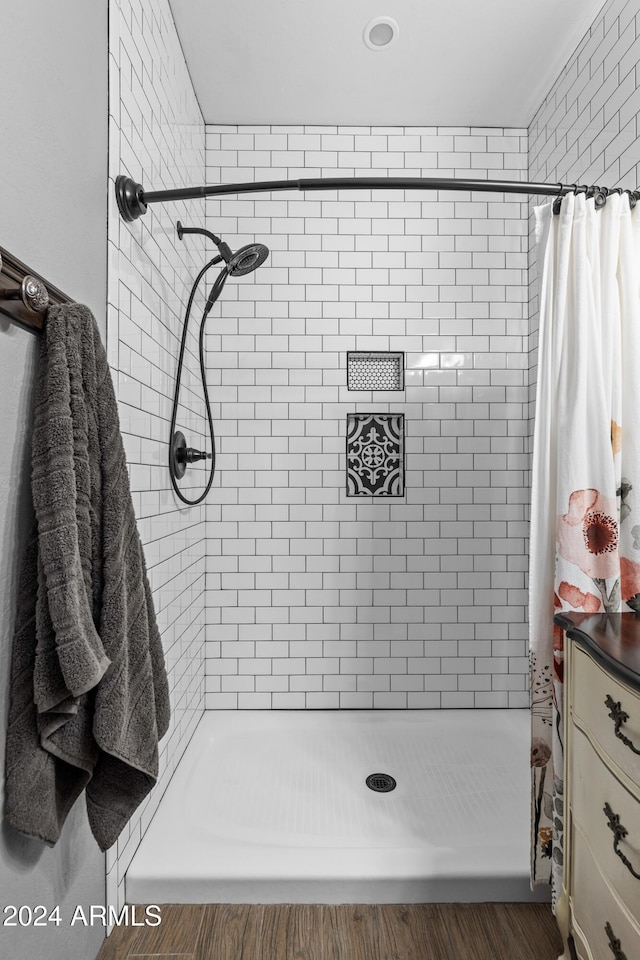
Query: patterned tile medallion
375	454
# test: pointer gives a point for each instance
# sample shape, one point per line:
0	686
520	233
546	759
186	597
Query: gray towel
89	693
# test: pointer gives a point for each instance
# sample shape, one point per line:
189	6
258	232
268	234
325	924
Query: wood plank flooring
450	931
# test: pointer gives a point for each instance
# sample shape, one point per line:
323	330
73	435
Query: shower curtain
585	497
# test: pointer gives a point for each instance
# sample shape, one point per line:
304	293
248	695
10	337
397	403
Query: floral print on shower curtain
585	497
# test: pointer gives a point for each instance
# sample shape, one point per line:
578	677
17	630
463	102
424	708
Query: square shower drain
375	454
375	371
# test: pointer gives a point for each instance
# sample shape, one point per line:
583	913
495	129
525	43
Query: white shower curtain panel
585	509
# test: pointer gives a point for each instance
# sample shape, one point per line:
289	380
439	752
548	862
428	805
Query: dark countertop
613	639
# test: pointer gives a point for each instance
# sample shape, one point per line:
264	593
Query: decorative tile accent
375	371
375	454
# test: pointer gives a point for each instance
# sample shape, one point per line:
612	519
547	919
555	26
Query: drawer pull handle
614	943
619	717
619	833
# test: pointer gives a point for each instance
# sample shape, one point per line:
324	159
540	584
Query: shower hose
216	290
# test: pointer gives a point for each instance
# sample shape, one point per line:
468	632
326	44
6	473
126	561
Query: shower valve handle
190	455
180	455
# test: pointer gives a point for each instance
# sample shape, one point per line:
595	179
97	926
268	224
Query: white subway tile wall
586	129
156	135
316	600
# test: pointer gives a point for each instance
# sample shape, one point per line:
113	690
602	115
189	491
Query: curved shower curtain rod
133	199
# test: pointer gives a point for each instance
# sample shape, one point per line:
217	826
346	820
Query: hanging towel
89	693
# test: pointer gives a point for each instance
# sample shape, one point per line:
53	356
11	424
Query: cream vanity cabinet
599	909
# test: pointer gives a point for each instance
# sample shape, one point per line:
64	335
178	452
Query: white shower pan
272	807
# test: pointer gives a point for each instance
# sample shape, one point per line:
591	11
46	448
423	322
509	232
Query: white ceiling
454	62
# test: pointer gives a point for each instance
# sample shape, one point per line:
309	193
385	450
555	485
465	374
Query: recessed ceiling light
380	32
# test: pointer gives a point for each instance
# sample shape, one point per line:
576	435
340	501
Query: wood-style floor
451	931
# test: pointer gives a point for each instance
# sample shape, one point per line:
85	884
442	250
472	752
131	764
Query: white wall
156	135
53	165
316	599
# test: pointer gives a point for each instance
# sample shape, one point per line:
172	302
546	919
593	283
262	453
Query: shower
238	264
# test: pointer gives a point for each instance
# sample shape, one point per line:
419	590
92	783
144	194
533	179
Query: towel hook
32	292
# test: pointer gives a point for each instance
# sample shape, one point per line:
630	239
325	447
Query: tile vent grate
375	371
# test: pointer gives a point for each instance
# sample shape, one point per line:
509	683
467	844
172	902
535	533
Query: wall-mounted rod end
130	198
32	291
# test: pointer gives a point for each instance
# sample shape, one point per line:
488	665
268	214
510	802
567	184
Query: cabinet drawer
595	910
592	787
591	689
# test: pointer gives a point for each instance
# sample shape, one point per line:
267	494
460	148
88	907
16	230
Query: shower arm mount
133	199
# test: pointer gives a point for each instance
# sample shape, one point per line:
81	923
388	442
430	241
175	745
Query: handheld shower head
245	260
